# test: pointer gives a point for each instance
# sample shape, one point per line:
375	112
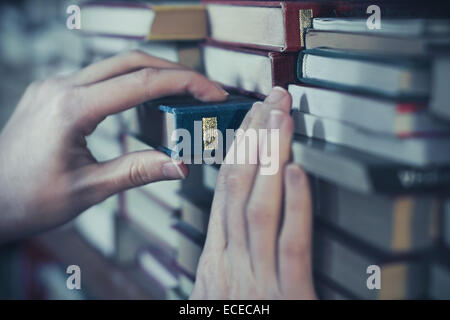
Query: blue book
186	128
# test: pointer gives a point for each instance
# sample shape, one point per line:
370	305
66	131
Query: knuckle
137	175
258	215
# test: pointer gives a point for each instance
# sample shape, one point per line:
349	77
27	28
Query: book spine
297	19
283	69
410	180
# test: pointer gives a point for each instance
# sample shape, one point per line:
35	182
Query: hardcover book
141	20
208	126
401	119
193	188
374	43
195	216
248	70
366	173
269	25
389	76
439	287
446	224
440	95
412	27
153	217
344	260
419	152
159	278
185	53
396	224
190	247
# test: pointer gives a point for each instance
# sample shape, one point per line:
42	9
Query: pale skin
259	237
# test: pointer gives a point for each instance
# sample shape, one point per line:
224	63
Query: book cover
373	43
345	260
367	173
144	21
379	75
249	70
253	23
417	152
395	224
386	116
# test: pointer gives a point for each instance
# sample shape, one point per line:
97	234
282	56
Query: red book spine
283	69
283	66
297	18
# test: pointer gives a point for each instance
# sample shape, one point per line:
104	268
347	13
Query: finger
123	92
265	203
101	180
240	177
295	270
216	239
120	64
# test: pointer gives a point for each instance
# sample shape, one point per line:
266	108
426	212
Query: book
440	95
390	8
97	226
389	76
412	27
402	119
208	125
376	43
185	284
446	224
328	290
193	188
367	173
190	247
152	216
345	261
394	224
412	151
195	216
249	70
131	239
162	279
140	20
439	287
269	25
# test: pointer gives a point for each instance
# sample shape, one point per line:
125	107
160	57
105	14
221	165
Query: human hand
258	244
48	175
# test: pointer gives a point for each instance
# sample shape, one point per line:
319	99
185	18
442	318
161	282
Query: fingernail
276	117
276	95
172	170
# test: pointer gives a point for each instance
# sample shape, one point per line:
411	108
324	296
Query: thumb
101	180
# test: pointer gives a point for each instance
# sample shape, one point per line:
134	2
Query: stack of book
366	131
368	107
